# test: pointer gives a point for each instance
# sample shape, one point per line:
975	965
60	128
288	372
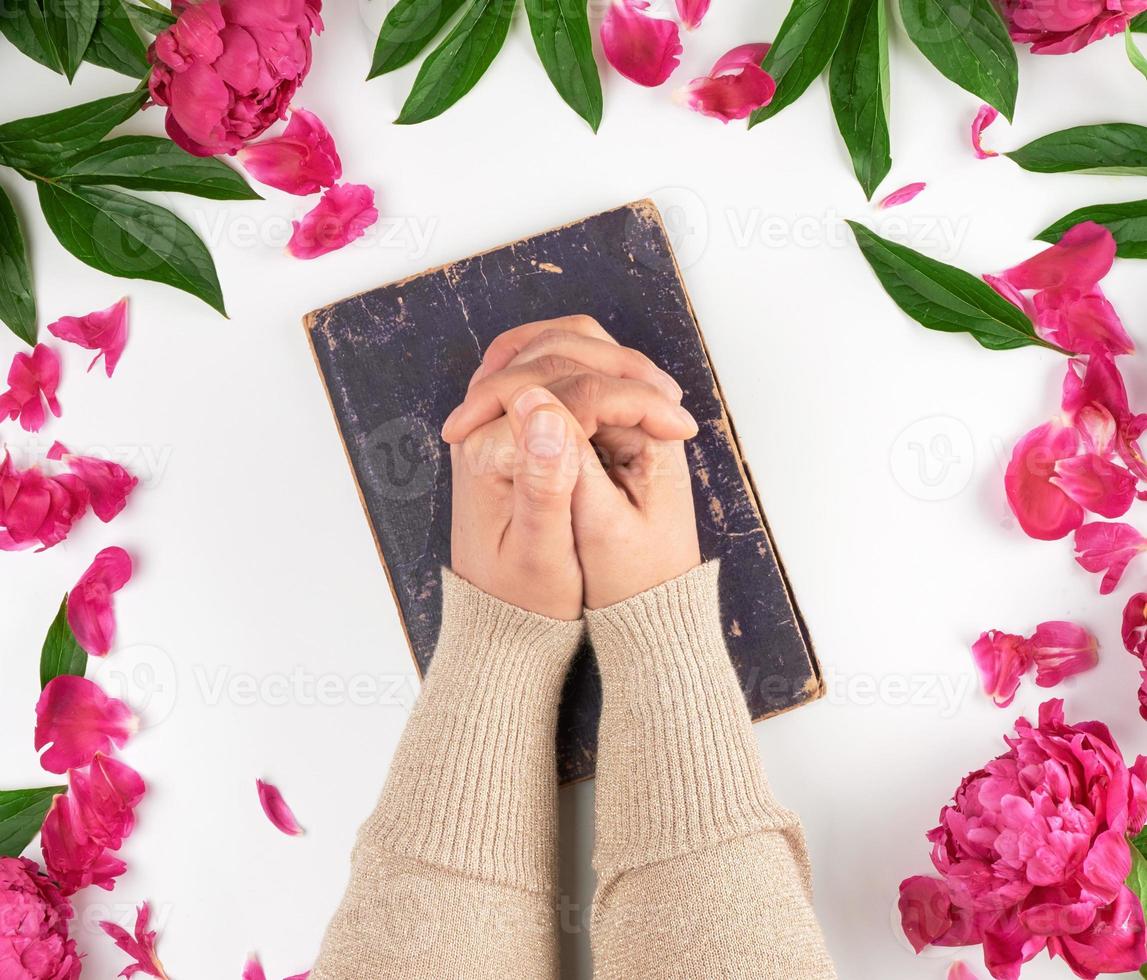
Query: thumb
546	467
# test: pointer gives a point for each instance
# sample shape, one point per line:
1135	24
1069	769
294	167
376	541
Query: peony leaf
561	35
804	45
151	163
125	236
62	653
24	25
1137	880
17	300
408	28
116	44
969	44
1138	23
1127	222
1109	148
22	813
454	67
42	141
942	297
70	24
859	87
150	20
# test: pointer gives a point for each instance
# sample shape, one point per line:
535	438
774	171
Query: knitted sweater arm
454	874
701	873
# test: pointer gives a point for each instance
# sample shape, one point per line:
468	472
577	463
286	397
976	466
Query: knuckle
585	323
555	365
585	389
546	492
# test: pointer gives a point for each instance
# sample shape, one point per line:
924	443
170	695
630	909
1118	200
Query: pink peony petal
78	720
1108	548
740	56
984	118
1135	640
1061	650
1081	258
253	970
91	613
692	12
1096	484
104	331
108	483
32	382
34	925
73	858
1114	943
960	971
276	809
1080	322
140	946
342	215
37	509
1043	509
734	95
1002	659
302	161
1090	392
105	798
644	49
902	195
1011	294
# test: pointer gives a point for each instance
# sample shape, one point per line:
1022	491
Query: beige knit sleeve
701	873
454	874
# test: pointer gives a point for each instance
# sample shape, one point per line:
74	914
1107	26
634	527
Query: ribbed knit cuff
473	784
677	761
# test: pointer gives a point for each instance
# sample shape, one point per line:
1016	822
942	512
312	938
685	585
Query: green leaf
22	22
859	86
151	163
454	67
22	813
149	19
17	300
968	42
1139	23
1109	148
62	653
1137	879
42	141
116	44
70	26
805	42
1127	222
561	35
125	236
408	28
942	297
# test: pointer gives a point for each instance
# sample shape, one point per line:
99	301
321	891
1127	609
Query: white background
256	568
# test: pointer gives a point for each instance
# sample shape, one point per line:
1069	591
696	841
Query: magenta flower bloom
1056	27
342	215
78	720
140	946
104	331
736	86
32	382
227	69
1032	854
34	915
644	49
1108	548
302	161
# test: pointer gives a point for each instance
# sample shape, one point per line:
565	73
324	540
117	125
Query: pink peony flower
91	613
301	161
644	49
1068	308
984	118
1057	27
276	809
1061	650
37	509
1032	854
902	195
342	215
92	819
736	86
1108	548
227	69
1095	399
108	483
1135	640
104	331
34	914
32	382
140	946
1002	659
79	720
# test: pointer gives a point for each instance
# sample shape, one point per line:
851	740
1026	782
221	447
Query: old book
396	360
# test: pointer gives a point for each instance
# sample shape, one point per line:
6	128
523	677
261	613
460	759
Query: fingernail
685	417
530	399
545	434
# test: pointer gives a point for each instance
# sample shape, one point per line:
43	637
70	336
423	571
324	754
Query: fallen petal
108	483
740	56
73	859
1001	659
91	611
1096	484
140	946
1080	322
1108	548
78	720
902	195
254	969
1135	640
32	383
644	49
302	161
692	12
1061	650
1043	509
984	118
343	214
960	971
1081	258
104	331
105	798
276	809
1011	294
734	95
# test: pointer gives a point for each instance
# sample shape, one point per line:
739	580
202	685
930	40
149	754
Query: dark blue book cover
396	360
